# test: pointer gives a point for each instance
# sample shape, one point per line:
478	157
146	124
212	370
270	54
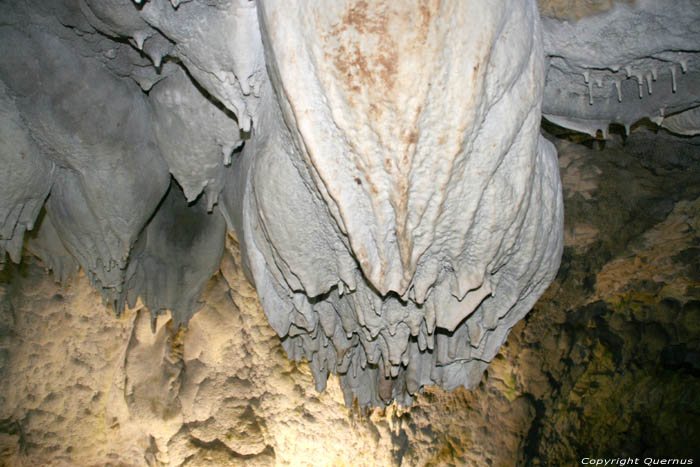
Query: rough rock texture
398	213
573	10
637	60
182	244
80	127
24	182
197	159
94	128
605	365
622	373
422	231
397	207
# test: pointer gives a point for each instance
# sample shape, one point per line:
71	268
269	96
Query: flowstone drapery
394	237
381	163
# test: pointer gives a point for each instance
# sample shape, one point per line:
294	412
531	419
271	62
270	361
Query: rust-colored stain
357	68
412	137
358	18
388	68
370	47
426	14
574	10
352	64
388	165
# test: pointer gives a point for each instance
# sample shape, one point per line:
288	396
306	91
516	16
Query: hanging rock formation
607	357
393	237
380	163
634	61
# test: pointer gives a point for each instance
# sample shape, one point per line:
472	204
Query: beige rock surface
82	387
576	9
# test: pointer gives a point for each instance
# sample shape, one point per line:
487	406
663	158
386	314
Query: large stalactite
395	237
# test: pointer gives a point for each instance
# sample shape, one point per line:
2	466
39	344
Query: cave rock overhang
397	208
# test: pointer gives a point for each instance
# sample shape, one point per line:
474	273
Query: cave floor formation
606	364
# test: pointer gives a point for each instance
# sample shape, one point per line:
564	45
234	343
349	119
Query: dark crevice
532	439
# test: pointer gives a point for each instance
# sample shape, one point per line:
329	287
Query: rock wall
396	208
605	365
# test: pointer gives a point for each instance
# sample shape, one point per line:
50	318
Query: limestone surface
632	61
382	165
422	231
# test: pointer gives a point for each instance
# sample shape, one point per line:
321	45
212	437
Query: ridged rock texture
393	237
634	61
380	163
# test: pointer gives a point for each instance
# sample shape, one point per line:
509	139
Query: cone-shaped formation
406	212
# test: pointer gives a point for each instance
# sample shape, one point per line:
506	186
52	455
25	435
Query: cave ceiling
381	164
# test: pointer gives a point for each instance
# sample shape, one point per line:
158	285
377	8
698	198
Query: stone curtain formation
380	162
407	162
